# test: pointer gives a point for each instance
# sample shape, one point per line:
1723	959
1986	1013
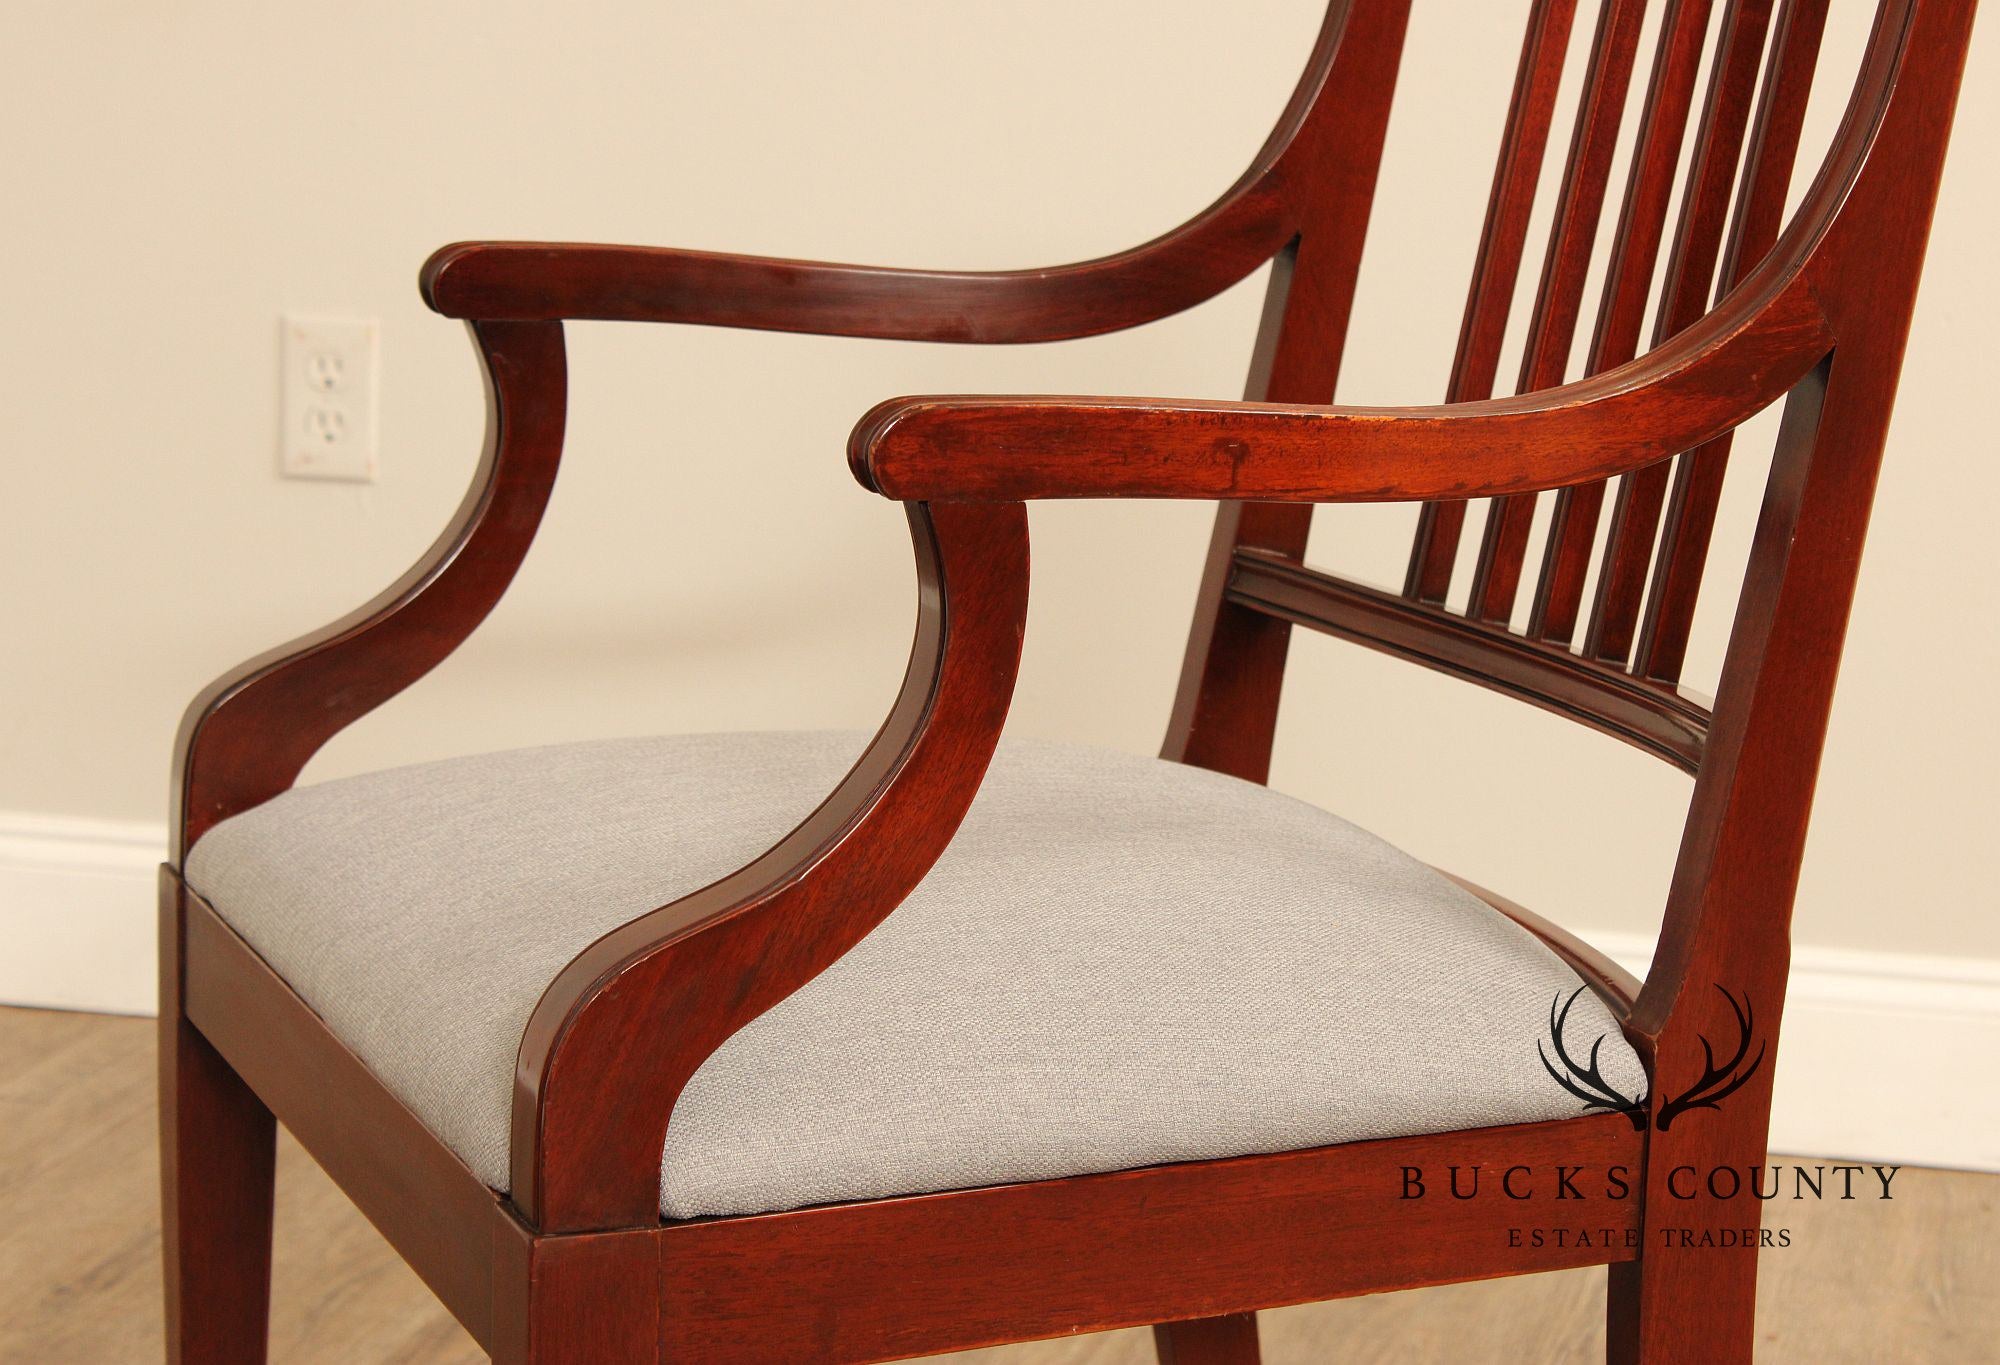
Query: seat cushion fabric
1118	962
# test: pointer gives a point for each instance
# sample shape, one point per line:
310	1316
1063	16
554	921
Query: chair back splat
1746	104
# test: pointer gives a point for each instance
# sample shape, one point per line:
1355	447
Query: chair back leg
1230	1340
218	1147
1692	1293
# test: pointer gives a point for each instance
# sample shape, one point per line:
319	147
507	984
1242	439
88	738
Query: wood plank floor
1913	1280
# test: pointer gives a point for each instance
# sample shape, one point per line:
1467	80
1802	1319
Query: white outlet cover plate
331	373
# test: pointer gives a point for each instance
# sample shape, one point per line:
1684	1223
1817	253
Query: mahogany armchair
641	1167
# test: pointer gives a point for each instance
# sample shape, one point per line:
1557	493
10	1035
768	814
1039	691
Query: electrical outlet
330	368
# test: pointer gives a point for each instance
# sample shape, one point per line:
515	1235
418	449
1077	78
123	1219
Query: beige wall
177	176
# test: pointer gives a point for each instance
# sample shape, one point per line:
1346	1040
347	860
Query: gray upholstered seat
1118	962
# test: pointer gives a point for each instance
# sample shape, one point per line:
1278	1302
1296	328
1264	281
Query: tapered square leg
218	1146
1680	1305
1230	1340
589	1299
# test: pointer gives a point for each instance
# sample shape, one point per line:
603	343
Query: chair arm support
625	1025
1698	385
248	734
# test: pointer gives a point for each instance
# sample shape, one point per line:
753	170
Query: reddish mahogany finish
1629	277
1208	1341
250	732
218	1149
574	1264
1558	305
1501	246
1690	515
1683	298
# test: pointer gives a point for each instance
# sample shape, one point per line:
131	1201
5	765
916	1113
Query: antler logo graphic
1587	1083
1717	1082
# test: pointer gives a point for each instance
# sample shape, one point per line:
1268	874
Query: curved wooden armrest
1245	227
1696	386
1774	327
248	734
556	280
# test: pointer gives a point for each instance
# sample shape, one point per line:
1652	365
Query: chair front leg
218	1147
592	1299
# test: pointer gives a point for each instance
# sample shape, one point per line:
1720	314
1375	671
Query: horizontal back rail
1668	724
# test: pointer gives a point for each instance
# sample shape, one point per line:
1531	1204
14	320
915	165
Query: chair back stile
1235	660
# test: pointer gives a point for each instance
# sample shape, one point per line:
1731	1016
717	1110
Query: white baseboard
79	913
1881	1056
1882	1052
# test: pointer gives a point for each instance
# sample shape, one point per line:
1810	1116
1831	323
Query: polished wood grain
252	730
1230	1340
1697	485
217	1173
1628	282
421	1196
1502	243
645	1005
1234	665
1734	882
1914	1280
932	1273
575	1300
1672	725
1586	178
1708	379
1684	296
573	1263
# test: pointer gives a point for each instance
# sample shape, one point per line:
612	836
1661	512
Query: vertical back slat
1690	275
1559	301
1760	208
1628	282
1502	242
